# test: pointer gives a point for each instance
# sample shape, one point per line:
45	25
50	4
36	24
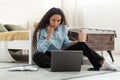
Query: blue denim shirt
58	39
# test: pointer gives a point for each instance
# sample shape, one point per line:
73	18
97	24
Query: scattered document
23	68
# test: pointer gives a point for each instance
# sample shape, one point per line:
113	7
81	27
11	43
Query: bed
17	40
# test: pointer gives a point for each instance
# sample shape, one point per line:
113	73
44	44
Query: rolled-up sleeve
43	45
42	42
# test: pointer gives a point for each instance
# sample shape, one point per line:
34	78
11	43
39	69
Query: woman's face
55	21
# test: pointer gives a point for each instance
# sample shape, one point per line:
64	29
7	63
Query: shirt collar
56	28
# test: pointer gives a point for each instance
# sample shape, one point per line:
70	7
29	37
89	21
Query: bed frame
21	44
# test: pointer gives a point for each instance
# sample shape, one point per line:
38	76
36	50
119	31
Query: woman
51	33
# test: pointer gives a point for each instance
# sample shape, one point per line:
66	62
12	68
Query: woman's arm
44	39
74	42
81	38
50	32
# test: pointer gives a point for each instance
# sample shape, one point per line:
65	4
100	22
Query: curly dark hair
45	21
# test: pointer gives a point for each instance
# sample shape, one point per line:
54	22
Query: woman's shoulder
64	27
42	31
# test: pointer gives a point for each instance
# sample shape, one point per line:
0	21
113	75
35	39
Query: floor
108	76
45	74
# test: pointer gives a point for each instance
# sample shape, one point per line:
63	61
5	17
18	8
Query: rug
11	64
46	74
109	76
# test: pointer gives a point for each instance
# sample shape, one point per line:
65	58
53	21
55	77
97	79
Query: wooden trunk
97	39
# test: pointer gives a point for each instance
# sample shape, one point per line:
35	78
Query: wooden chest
97	39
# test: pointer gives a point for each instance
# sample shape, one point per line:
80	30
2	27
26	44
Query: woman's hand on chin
50	30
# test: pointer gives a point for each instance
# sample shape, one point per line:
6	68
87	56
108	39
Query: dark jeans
43	59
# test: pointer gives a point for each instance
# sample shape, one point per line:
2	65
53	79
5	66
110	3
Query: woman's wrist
48	37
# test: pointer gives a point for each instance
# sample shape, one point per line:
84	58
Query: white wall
22	11
73	12
103	16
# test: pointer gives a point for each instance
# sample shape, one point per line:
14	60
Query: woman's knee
41	59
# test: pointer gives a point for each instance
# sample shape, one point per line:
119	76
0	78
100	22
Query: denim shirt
58	39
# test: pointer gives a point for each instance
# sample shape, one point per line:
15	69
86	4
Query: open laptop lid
66	60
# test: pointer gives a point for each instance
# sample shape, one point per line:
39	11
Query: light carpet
46	74
11	64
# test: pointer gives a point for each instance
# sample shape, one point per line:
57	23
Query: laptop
66	60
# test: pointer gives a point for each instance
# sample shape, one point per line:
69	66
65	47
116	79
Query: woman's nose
56	24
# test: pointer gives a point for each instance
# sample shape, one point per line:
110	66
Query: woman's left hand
82	37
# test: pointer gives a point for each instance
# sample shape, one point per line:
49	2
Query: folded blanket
14	35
